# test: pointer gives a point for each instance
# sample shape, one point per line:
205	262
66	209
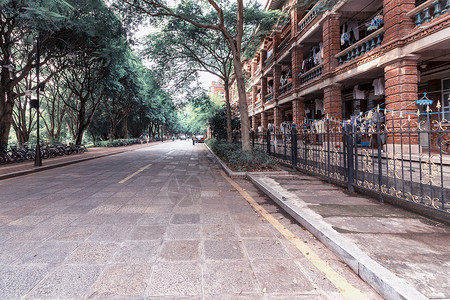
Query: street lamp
35	104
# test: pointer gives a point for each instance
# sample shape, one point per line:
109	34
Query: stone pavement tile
110	233
122	218
29	220
219	232
193	209
183	232
48	253
330	210
232	277
218	217
174	298
74	233
240	208
40	233
267	248
159	209
59	220
121	281
172	279
281	276
137	252
12	251
180	250
16	281
7	232
342	200
185	219
92	253
153	219
66	282
219	250
242	296
248	218
255	230
147	232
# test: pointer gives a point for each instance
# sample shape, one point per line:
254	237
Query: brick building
347	60
217	90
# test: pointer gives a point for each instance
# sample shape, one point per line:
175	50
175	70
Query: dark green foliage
238	160
218	124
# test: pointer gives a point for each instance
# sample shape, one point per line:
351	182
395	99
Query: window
446	98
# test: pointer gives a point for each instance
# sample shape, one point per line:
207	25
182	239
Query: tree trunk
243	107
228	106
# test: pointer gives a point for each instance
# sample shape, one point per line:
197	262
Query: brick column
294	22
276	81
254	66
276	43
332	101
396	22
277	120
401	91
297	59
298	111
331	43
264	121
254	93
263	89
263	58
254	124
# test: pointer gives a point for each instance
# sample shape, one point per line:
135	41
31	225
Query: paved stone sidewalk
371	237
174	228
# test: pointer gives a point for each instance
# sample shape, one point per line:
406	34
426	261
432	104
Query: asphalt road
160	222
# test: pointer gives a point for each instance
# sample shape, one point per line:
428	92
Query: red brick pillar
297	60
294	22
332	101
396	23
331	43
254	93
277	119
263	57
255	124
298	111
276	43
276	81
263	89
401	91
264	121
254	66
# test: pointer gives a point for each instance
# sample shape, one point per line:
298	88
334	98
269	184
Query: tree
21	22
187	49
230	22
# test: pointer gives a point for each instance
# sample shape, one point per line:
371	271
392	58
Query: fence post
294	147
268	141
350	165
380	163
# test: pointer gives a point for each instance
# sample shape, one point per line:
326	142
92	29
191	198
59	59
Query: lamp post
38	157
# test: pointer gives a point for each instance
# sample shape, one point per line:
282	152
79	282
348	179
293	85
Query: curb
381	279
61	164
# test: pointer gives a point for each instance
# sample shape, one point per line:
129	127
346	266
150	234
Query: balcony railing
361	47
269	97
257	104
311	74
284	43
285	88
310	16
250	108
268	60
257	71
429	10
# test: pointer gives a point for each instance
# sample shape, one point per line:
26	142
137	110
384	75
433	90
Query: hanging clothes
378	86
319	105
358	94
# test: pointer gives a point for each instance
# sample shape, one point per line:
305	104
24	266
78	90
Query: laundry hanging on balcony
358	94
378	86
424	100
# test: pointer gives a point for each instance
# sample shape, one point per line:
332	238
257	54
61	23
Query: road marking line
135	173
347	290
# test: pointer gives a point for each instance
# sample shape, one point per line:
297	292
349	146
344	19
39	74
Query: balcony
257	104
284	44
268	60
285	88
269	97
429	10
309	17
361	47
250	108
257	72
311	74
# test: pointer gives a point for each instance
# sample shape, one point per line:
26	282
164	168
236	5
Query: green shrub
236	159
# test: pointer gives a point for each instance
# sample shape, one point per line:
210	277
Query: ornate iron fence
405	157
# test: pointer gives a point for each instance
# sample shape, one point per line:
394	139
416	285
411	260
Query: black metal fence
405	157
